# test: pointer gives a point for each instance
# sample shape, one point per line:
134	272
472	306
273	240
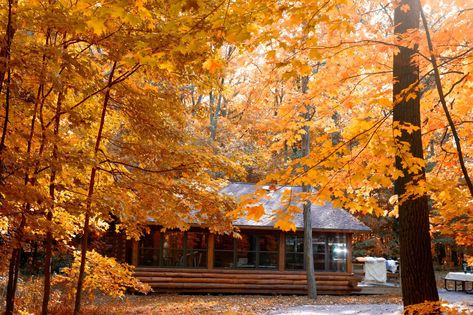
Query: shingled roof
323	217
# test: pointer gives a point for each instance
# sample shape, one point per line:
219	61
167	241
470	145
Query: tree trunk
84	240
14	260
417	274
5	53
10	297
5	48
308	247
49	216
215	113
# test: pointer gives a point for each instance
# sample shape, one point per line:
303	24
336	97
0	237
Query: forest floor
387	301
262	304
231	304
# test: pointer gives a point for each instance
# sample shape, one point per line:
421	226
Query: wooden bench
459	278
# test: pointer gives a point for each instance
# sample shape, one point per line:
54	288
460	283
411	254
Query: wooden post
349	253
210	251
282	251
134	253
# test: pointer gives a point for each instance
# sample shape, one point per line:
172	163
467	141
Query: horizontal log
242	281
242	286
237	276
272	291
244	271
218	275
219	280
259	291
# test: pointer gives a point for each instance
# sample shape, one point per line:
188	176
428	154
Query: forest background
115	112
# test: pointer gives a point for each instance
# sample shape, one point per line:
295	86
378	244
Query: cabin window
294	252
319	247
251	251
223	253
337	252
173	249
329	250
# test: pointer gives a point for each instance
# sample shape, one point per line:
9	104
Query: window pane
174	240
247	242
173	249
223	259
246	259
290	243
268	260
196	258
196	240
294	243
294	261
268	242
318	245
223	255
223	242
148	254
337	247
173	258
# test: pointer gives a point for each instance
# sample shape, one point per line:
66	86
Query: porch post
282	251
349	253
210	251
134	253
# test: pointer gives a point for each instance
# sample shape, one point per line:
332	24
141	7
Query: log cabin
264	260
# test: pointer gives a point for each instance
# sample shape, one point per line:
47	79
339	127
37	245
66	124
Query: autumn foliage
115	113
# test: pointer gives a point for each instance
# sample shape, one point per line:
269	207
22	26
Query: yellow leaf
97	24
213	65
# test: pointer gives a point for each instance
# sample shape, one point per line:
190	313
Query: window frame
235	251
184	250
326	242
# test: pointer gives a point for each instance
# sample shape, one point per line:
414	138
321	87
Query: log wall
244	281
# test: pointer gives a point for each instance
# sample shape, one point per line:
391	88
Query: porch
261	261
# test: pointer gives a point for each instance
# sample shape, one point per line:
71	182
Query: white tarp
375	269
459	276
391	265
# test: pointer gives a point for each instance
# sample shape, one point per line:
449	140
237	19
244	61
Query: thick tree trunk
85	235
417	274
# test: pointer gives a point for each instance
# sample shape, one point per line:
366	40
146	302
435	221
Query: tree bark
417	274
215	113
5	53
85	235
49	216
308	247
12	281
5	48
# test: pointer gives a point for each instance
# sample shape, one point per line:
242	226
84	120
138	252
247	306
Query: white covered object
375	269
391	265
459	276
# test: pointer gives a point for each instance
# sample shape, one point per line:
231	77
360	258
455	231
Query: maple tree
115	113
